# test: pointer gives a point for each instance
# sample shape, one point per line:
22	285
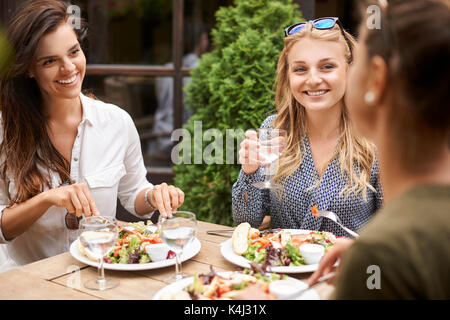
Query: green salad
279	248
131	243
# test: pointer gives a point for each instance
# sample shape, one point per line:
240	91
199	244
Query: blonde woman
324	163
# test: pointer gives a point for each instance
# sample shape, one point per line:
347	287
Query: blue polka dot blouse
293	210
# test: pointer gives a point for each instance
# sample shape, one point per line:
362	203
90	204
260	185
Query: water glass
178	232
98	235
271	145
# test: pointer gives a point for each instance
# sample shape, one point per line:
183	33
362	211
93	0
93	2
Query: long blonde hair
355	154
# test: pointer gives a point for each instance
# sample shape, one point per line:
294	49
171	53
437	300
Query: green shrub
232	88
6	53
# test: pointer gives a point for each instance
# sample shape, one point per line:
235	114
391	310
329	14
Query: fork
332	216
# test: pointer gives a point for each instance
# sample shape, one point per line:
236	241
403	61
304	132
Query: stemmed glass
271	145
178	232
98	235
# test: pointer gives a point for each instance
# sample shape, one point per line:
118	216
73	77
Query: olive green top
404	250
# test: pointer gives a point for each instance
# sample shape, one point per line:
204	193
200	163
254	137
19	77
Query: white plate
226	248
310	294
190	251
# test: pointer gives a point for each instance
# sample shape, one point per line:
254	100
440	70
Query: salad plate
135	246
227	251
189	252
179	289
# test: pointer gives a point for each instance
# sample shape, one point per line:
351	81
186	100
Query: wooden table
61	277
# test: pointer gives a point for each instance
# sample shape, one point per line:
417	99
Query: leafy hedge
231	88
6	53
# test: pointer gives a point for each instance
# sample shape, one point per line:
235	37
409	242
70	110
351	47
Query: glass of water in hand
178	232
98	235
271	144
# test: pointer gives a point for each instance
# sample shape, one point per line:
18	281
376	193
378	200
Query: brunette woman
62	154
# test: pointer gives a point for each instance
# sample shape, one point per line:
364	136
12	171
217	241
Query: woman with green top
398	96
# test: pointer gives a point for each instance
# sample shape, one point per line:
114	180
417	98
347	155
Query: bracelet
146	200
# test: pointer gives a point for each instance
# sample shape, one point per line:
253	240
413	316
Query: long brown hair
414	41
26	146
353	152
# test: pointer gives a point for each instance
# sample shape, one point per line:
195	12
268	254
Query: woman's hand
248	154
76	198
326	265
165	198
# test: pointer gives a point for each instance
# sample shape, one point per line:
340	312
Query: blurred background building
140	53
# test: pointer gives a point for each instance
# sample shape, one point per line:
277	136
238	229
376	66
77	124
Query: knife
230	231
220	231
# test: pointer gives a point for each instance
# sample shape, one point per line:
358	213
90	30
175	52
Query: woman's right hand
76	198
248	154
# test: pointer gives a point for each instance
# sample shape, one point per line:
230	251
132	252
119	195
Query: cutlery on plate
226	231
220	231
297	293
332	216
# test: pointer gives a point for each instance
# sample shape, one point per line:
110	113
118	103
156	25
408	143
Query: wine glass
98	235
178	232
271	145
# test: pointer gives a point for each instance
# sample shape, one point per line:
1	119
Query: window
135	47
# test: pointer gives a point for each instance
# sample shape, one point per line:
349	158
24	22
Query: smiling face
317	73
59	64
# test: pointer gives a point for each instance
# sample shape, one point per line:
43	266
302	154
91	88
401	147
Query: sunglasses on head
72	221
320	24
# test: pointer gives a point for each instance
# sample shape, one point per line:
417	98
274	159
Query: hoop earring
369	97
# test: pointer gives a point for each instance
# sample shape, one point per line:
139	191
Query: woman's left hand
166	198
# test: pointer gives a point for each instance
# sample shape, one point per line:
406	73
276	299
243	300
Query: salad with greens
276	247
224	286
133	238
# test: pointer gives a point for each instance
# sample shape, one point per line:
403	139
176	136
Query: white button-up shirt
107	157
